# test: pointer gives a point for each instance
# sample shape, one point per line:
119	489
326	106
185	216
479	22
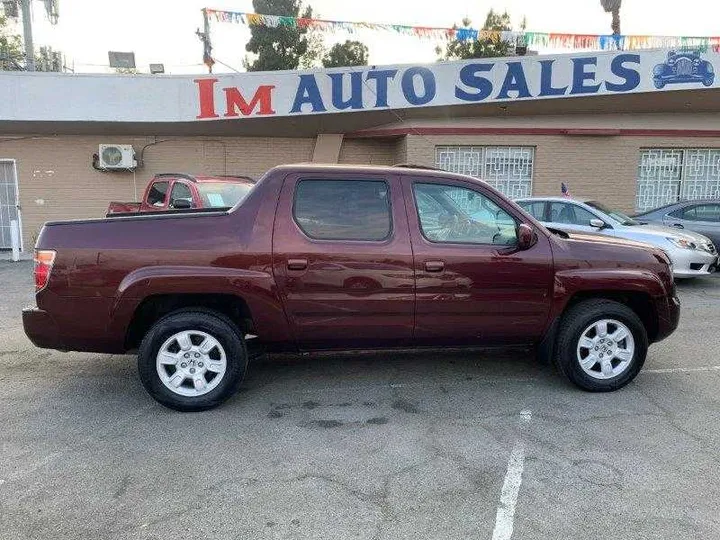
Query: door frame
285	243
17	198
443	250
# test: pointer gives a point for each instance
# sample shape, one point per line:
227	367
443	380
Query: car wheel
601	346
659	84
192	360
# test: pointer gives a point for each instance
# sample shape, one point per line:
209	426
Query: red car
341	257
178	191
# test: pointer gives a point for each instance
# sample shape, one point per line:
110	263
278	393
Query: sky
162	31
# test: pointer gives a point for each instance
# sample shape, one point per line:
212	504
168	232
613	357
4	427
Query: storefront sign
27	97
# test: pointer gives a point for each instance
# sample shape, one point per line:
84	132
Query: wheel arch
639	301
155	307
249	297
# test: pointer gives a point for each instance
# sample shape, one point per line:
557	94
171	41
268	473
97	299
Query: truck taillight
44	260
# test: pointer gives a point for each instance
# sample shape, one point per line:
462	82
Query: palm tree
613	6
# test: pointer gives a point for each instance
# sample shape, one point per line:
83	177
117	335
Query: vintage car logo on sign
683	67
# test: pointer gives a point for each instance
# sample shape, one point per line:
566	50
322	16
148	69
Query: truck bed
165	213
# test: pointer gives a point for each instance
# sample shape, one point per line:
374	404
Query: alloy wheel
191	363
605	349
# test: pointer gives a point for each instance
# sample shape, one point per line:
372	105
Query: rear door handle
434	266
297	264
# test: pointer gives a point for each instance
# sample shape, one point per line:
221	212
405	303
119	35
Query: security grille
669	175
509	169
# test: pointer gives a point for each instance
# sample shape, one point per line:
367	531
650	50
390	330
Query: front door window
455	214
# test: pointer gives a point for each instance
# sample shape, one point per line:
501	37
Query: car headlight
682	243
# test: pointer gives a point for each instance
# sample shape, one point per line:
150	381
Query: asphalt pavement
481	444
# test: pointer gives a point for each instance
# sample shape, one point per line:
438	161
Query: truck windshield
615	214
222	194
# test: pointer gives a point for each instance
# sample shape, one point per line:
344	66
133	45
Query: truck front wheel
192	360
601	345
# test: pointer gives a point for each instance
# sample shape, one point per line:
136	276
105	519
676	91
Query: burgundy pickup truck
341	257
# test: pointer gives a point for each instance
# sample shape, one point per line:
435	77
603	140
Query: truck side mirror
181	204
526	237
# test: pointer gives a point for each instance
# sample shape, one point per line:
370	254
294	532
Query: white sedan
692	254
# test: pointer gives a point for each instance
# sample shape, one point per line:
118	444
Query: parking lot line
505	515
682	370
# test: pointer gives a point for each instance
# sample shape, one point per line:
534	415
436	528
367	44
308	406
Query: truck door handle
434	266
297	264
678	225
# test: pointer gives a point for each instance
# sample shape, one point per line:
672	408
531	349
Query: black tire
573	324
216	325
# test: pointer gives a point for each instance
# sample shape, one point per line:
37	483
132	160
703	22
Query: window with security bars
668	175
509	169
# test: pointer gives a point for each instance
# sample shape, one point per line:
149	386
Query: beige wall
368	151
604	168
57	181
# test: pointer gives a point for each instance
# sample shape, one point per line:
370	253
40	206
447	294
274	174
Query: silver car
691	253
698	216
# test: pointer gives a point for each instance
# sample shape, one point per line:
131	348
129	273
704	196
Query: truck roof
400	169
208	178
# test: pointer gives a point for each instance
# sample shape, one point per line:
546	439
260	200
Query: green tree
315	49
48	59
11	51
461	49
12	56
613	6
277	48
350	53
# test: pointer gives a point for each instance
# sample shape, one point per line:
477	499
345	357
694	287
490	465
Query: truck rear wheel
192	360
601	345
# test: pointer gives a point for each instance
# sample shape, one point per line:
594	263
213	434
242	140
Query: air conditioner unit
116	156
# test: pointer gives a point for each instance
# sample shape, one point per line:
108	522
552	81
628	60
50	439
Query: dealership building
632	129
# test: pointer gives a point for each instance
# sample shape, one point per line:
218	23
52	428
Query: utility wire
226	65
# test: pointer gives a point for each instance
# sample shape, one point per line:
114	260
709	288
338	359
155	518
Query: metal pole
207	44
27	34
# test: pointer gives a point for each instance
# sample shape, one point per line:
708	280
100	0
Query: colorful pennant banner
531	39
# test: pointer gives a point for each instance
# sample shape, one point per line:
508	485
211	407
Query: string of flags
529	39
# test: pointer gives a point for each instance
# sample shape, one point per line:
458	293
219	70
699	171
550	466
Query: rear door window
535	208
570	214
702	212
343	209
157	194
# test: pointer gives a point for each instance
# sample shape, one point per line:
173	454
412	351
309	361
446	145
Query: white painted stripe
682	370
505	515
